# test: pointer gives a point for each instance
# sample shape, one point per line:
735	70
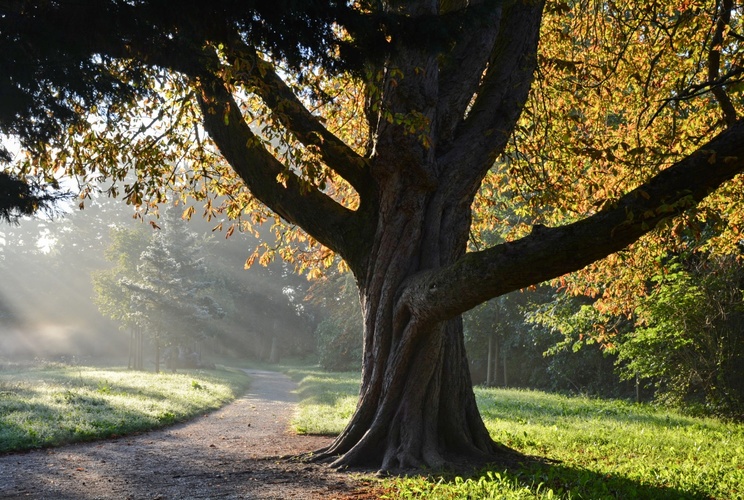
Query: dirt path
226	454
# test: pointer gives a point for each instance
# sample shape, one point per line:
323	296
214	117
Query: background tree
574	339
154	295
688	338
197	286
372	126
114	300
169	292
339	333
490	329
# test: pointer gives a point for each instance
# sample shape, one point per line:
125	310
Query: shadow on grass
533	477
576	482
320	388
546	408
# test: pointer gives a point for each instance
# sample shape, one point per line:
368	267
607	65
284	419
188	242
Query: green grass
54	405
327	400
597	448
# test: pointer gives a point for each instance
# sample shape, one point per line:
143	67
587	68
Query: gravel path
231	453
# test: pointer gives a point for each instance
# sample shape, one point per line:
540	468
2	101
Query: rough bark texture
417	407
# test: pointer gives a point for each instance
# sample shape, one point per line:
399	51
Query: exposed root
318	457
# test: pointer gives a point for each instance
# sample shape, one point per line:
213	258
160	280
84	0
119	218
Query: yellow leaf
188	213
249	261
314	273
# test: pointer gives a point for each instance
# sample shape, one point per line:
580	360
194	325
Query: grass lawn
327	400
53	405
600	448
597	448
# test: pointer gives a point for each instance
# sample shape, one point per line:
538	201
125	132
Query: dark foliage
19	198
52	72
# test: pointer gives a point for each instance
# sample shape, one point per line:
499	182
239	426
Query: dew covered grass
594	448
54	405
327	400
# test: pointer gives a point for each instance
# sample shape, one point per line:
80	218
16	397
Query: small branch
698	90
714	62
715	83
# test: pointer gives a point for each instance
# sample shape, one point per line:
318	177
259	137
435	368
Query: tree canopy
386	133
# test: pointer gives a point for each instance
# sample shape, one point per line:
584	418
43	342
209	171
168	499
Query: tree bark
417	407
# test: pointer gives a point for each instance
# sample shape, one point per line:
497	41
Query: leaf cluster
605	114
688	337
24	198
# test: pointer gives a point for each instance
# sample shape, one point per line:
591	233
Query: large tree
372	126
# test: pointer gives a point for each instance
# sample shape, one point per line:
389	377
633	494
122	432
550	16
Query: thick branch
307	128
501	97
714	61
551	252
333	225
462	70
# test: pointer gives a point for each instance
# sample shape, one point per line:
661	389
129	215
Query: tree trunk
637	388
506	379
140	349
496	356
132	343
417	407
274	352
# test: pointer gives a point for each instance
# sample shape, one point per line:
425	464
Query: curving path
231	453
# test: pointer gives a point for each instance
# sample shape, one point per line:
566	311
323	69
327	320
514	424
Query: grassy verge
327	400
50	406
601	449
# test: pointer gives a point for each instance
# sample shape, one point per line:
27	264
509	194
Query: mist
48	312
